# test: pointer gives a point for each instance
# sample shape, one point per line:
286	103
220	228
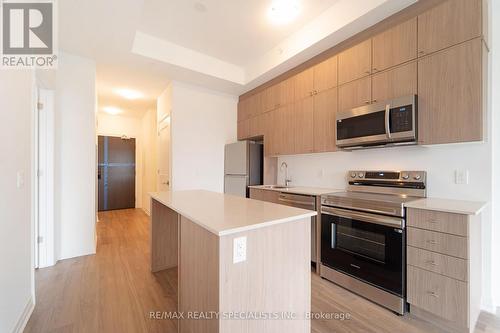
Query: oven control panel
389	176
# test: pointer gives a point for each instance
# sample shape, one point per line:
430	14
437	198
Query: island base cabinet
274	279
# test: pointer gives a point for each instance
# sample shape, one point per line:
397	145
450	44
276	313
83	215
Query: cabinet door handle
431	241
374	69
421	52
374	101
431	262
315	92
433	221
367	102
368	72
433	294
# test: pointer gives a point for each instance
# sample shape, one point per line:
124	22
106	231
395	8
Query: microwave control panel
401	118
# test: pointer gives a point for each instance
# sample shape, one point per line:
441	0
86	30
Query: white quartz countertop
224	214
299	190
448	205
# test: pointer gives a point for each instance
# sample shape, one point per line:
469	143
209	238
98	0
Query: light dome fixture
112	110
283	11
129	93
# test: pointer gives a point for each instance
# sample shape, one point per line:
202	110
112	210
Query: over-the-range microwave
391	122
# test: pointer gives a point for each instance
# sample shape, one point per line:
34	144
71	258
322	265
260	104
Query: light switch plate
239	249
461	176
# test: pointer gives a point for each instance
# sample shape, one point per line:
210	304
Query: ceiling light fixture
283	11
112	110
129	93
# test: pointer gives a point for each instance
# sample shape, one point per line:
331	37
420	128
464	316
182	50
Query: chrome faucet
287	179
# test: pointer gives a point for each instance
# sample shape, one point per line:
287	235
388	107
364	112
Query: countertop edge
238	229
297	190
420	204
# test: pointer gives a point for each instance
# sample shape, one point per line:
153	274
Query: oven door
367	246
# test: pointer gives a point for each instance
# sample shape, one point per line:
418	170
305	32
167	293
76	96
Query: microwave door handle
387	120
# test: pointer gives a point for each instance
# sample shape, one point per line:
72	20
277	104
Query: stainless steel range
363	235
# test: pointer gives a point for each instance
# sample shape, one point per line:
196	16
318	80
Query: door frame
44	200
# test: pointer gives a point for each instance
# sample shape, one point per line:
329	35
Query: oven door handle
387	121
365	217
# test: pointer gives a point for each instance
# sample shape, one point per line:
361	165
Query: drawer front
440	295
450	223
438	242
439	263
264	195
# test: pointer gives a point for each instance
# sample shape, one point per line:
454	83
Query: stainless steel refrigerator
243	161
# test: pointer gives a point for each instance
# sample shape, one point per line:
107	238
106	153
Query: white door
164	154
44	247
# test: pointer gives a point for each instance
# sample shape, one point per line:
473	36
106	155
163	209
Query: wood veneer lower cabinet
444	268
450	94
264	195
274	279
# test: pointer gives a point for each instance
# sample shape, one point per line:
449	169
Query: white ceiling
228	45
234	31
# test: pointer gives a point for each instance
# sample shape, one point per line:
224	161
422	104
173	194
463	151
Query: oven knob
361	175
353	175
405	176
417	177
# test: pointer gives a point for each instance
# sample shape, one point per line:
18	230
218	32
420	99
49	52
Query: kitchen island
243	264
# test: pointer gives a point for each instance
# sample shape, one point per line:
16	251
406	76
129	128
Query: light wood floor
114	291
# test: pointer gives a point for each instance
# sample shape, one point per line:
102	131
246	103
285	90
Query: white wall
495	89
16	265
75	157
203	121
109	125
149	158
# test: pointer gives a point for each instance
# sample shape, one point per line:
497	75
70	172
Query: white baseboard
25	316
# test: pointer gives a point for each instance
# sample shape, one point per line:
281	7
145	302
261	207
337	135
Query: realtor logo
28	34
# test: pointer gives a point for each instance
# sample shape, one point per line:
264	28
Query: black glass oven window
401	119
360	126
365	243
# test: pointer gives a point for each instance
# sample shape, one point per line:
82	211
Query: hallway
114	291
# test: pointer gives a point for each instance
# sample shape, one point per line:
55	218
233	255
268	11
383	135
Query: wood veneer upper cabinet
243	129
278	95
279	136
325	74
304	84
356	62
324	125
449	23
354	94
249	107
450	101
396	82
395	46
303	126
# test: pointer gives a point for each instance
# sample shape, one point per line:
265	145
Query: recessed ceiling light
283	11
112	110
129	93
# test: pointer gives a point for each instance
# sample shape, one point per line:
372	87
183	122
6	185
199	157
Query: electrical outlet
461	176
239	249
